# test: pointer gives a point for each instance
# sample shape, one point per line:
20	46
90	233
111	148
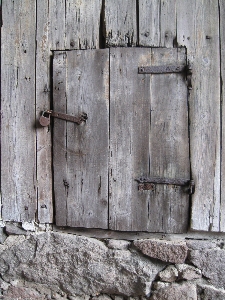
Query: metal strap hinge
186	69
149	183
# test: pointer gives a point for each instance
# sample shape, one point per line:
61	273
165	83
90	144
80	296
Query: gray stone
187	272
84	297
3	236
200	245
14	229
170	274
118	244
168	251
207	292
102	297
22	293
176	291
78	265
159	285
212	264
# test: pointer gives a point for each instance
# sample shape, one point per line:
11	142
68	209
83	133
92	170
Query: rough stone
78	265
28	226
207	292
159	285
84	297
212	264
176	291
168	251
200	245
118	244
15	230
3	236
187	272
170	274
22	293
102	297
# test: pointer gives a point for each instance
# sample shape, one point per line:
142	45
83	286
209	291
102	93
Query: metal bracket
161	69
75	119
169	69
149	183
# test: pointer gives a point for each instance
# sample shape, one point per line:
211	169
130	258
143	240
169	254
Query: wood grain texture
60	25
18	153
81	151
82	24
120	23
198	30
45	40
157	23
222	57
148	137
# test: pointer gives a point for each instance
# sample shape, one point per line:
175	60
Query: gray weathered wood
198	30
149	23
60	25
222	53
157	23
120	23
81	84
18	151
45	40
82	24
148	136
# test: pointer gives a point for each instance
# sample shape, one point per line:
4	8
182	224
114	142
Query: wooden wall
32	29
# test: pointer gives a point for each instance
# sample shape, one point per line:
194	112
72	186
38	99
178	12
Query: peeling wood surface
18	149
120	23
82	29
81	151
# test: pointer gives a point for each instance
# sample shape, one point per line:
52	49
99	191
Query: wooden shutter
148	137
80	152
139	128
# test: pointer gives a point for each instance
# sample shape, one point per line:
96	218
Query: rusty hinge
149	183
169	69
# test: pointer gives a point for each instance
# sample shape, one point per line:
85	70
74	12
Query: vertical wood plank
129	132
18	151
157	23
50	35
43	93
59	136
81	161
148	137
222	57
149	23
60	24
168	30
169	144
57	23
198	30
120	23
82	24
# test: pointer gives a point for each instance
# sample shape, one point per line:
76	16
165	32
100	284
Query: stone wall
57	265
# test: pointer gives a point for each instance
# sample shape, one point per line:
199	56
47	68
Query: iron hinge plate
149	183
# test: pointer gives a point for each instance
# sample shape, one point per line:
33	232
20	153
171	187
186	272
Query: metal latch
169	69
149	183
45	117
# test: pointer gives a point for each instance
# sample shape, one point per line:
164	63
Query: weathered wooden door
137	126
